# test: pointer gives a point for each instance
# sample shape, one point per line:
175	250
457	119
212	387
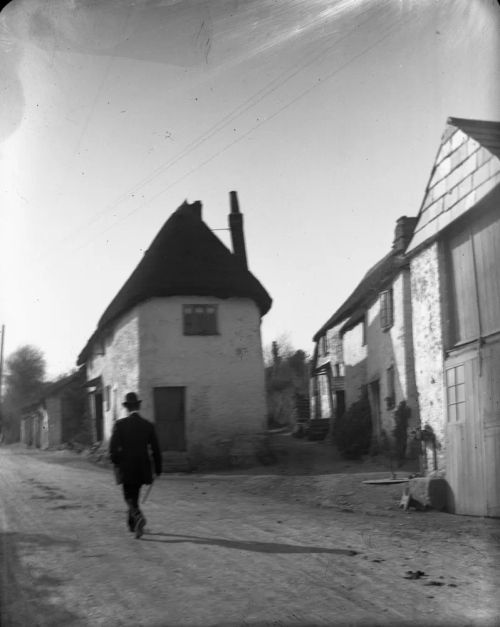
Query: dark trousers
131	496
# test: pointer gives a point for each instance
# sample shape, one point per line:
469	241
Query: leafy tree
25	376
287	381
352	431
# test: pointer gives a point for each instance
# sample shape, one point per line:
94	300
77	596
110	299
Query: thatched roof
367	289
54	388
184	259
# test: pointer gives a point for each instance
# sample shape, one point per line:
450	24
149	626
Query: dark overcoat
132	443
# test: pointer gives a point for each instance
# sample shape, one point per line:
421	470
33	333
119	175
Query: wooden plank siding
473	429
464	305
489	398
474	279
465	463
486	247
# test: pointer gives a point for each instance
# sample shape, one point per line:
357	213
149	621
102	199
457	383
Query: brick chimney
236	228
403	233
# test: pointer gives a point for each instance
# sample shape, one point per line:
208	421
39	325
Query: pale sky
325	116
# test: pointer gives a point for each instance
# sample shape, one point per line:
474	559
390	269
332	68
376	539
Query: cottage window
390	399
455	389
386	310
200	319
325	349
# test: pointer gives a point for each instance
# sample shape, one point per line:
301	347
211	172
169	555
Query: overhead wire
86	124
292	101
243	107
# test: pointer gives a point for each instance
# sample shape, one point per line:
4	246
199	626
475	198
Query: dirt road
232	549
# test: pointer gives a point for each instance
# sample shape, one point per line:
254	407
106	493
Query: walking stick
146	494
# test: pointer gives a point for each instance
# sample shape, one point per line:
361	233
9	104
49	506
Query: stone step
176	461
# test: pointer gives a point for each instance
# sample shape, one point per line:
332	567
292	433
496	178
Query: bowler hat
131	400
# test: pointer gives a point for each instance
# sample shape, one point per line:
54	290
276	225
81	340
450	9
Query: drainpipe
236	228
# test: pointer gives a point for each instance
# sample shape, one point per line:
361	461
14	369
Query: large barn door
465	454
489	398
170	418
473	367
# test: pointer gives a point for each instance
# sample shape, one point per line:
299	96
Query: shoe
140	523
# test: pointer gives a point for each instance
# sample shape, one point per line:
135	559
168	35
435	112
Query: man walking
132	442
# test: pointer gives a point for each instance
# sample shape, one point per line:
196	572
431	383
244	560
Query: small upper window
455	387
200	319
325	349
386	310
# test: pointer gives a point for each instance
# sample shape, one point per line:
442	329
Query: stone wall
428	342
54	413
393	347
118	366
223	374
355	358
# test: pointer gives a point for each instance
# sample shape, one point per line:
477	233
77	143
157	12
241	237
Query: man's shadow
242	545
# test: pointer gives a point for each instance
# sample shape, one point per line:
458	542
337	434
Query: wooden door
464	435
99	416
489	405
169	408
374	398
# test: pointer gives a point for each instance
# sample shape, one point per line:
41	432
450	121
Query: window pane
460	374
200	319
450	377
209	326
452	397
460	393
389	308
383	309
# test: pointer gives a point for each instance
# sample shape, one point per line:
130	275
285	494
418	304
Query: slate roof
184	259
485	132
464	172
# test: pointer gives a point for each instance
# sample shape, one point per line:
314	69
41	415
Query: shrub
400	431
352	431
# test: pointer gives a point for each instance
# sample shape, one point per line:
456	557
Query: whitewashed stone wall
118	366
428	341
393	347
355	355
223	374
54	415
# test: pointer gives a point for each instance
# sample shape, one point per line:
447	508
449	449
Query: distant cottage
366	346
423	325
184	332
57	416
